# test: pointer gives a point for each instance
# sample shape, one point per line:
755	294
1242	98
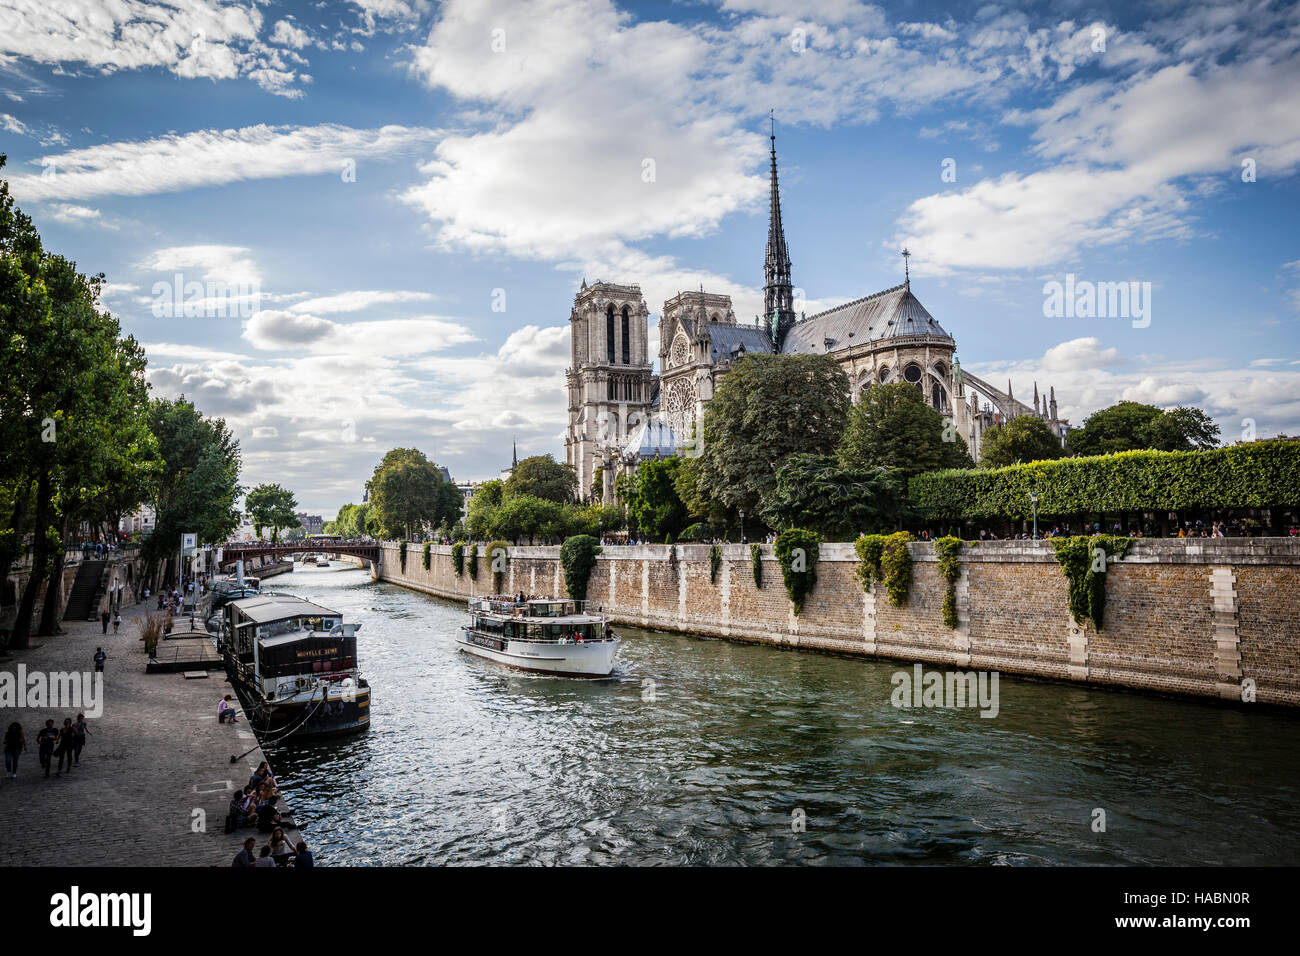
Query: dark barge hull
332	720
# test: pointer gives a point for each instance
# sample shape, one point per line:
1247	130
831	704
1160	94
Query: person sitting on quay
226	713
265	858
242	808
268	817
245	856
281	851
302	856
261	775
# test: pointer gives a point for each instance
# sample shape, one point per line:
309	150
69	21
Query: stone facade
1187	618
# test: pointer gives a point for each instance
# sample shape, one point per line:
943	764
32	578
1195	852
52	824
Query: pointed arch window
627	337
609	332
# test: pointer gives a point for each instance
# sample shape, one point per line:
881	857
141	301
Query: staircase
85	588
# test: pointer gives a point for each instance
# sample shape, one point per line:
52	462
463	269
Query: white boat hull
591	659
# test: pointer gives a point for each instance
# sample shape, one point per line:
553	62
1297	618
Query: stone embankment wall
1188	616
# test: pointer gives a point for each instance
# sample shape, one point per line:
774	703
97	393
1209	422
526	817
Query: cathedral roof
652	439
727	337
885	315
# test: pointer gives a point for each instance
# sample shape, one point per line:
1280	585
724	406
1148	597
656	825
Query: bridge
244	552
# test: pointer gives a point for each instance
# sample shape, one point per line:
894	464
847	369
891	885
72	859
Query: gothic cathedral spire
778	292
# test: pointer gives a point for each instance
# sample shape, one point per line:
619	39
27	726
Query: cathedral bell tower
608	380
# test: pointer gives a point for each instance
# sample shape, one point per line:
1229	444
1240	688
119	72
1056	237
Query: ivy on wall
715	562
1084	561
425	555
884	559
498	556
401	554
797	550
578	558
756	560
473	561
947	550
458	558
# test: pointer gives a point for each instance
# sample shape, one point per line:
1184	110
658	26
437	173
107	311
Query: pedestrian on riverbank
45	741
15	744
100	657
66	746
245	856
117	622
104	618
81	730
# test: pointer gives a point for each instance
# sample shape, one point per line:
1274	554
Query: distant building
311	524
142	521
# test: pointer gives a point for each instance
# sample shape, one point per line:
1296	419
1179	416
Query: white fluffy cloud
212	39
212	157
1270	397
274	330
358	301
228	265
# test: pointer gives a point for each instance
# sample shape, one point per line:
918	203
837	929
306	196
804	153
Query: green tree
818	493
480	513
352	521
1020	440
199	483
654	504
408	494
766	409
271	506
892	427
1133	426
541	476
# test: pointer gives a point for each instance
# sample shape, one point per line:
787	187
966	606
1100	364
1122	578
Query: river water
706	752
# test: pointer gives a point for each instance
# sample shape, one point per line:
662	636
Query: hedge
1260	474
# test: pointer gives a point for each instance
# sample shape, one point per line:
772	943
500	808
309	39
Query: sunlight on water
469	762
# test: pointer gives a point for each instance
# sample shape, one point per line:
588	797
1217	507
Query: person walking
67	743
45	740
15	744
100	657
117	621
81	730
104	618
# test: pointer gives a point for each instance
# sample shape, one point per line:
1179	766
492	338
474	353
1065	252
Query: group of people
65	743
255	806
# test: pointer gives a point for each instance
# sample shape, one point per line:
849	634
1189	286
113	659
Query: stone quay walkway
155	778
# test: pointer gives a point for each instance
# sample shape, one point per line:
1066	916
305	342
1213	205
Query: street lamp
742	525
1033	498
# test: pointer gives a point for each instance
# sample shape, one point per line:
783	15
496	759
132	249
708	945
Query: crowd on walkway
255	806
64	743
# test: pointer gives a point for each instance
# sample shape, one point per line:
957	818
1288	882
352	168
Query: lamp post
1033	498
742	525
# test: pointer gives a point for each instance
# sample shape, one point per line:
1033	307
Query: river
707	752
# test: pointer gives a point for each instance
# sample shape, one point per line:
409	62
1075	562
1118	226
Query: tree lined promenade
84	442
154	779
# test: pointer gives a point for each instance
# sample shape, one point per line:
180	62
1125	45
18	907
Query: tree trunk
19	527
49	625
21	637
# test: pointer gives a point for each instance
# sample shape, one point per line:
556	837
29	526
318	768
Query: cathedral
621	413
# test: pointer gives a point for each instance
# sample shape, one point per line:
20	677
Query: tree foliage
817	492
653	504
271	506
1132	426
892	427
409	495
1020	440
541	476
765	410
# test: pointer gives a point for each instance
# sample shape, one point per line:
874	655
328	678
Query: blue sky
380	173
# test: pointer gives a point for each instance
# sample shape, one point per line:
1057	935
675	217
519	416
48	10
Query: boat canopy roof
265	608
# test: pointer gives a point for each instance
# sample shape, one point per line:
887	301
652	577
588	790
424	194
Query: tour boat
545	635
294	665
